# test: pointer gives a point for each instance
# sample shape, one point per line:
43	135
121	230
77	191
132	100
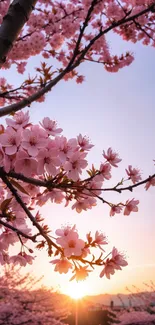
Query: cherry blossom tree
141	310
136	317
20	303
37	164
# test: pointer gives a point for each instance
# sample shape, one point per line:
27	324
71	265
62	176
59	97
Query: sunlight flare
77	290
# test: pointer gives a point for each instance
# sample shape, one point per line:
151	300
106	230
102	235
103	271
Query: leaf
50	252
89	238
89	172
1	129
57	252
20	188
41	245
54	11
12	113
5	204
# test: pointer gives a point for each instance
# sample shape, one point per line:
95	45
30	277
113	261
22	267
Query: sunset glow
77	290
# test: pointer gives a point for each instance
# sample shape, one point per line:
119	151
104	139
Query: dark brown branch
28	180
81	186
76	50
127	188
131	187
18	231
143	30
17	15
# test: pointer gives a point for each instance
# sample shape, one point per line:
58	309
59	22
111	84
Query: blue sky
114	110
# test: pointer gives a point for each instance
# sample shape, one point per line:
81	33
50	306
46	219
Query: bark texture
17	15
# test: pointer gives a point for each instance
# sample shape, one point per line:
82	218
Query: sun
77	290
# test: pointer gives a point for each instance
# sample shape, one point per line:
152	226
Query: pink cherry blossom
47	161
105	170
108	270
84	143
118	259
95	185
64	231
32	189
22	259
9	237
32	141
100	239
4	258
50	126
10	140
55	195
131	206
84	204
85	252
80	79
20	220
29	259
3	245
21	67
15	206
75	165
8	162
115	263
134	174
112	157
20	119
25	164
151	182
115	209
62	265
66	148
72	244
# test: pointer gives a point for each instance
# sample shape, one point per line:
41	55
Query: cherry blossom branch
100	198
118	23
27	101
76	50
27	211
75	259
130	187
18	231
47	24
142	29
30	99
5	93
49	183
25	179
17	15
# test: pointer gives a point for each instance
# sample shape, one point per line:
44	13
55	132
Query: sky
114	110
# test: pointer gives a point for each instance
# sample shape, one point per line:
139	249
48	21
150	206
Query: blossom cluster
136	317
37	166
73	246
20	302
